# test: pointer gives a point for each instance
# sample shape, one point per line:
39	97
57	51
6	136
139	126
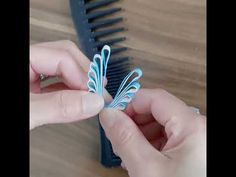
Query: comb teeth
115	61
100	44
98	4
123	61
114	81
114	77
104	23
117	50
88	20
106	32
99	14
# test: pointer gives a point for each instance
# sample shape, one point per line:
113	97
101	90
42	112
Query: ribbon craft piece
128	87
97	71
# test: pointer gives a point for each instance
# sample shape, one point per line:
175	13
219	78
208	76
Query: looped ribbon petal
127	90
128	86
98	70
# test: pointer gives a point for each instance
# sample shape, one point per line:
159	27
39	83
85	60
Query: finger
123	165
159	143
177	118
127	140
53	62
107	97
62	86
142	119
54	87
70	47
35	86
161	104
151	131
63	106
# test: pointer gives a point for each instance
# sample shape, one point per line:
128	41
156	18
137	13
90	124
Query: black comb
91	28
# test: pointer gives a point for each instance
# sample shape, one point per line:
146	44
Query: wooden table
167	40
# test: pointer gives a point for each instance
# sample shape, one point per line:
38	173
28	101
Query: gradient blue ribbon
128	87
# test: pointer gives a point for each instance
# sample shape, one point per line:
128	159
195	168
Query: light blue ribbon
128	87
127	90
97	71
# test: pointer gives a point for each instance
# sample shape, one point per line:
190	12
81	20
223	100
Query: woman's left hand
63	102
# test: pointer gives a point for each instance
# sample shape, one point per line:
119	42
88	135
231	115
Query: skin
63	102
158	135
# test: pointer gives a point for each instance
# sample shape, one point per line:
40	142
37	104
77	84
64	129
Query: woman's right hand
158	136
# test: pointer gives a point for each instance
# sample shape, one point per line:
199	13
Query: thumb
63	106
127	140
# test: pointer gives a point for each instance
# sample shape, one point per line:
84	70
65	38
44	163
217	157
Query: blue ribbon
128	87
97	71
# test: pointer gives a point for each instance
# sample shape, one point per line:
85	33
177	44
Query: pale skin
158	135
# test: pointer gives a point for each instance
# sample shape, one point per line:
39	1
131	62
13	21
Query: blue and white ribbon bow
128	87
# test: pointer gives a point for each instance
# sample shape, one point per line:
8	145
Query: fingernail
108	117
92	104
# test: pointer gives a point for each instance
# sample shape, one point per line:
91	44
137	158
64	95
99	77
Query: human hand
61	102
157	136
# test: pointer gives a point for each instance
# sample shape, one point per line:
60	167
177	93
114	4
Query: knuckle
67	54
121	134
69	45
68	59
162	92
67	108
66	62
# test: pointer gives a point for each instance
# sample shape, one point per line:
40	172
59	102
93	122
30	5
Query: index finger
172	113
161	104
54	62
71	48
